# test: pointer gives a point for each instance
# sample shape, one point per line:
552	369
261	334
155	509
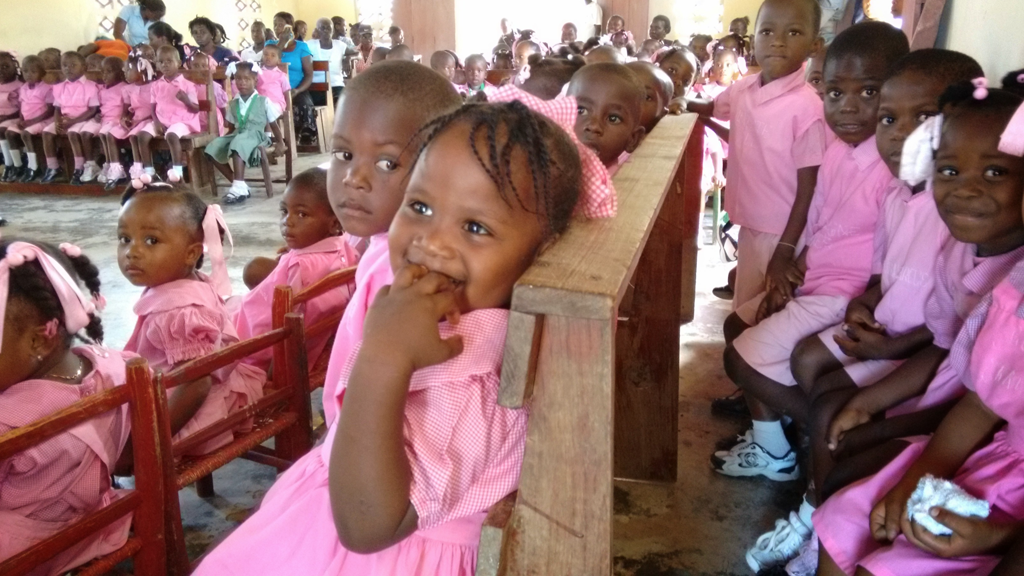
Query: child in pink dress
138	106
202	62
175	112
162	234
850	522
272	83
46	488
10	84
77	101
316	247
111	111
35	101
777	141
415	503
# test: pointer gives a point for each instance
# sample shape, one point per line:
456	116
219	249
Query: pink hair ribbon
1012	139
72	251
213	223
77	308
980	88
597	194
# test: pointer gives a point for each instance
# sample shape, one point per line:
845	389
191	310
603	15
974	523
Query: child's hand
889	516
677	107
863	343
780	269
857	312
402	322
774	300
971	536
718	181
847	419
182	97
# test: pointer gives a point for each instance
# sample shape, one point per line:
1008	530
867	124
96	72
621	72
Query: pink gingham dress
298	269
184	320
46	488
465	453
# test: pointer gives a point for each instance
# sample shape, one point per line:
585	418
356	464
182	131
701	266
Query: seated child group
874	336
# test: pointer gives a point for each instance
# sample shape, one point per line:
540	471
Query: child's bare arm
806	179
46	115
89	114
257	270
719	130
702	107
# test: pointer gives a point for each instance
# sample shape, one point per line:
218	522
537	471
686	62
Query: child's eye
387	165
124	239
947	171
994	172
420	208
580	110
615	119
343	155
886	120
150	241
924	116
834	94
477	228
795	32
869	92
815	81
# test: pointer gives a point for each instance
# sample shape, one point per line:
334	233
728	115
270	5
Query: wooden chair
283	414
146	543
600	373
324	114
265	160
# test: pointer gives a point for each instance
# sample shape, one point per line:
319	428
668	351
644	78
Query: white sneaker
806	561
753	460
780	545
237	193
740	442
90	171
102	176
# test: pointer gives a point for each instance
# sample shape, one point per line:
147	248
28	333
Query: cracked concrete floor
699	525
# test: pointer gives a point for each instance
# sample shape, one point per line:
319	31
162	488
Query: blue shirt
137	30
294	61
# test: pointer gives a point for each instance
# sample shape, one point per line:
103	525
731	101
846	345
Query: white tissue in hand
932	492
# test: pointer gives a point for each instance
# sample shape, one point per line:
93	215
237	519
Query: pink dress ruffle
48	487
181	321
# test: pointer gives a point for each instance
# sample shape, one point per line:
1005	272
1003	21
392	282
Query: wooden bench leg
688	182
204	487
265	167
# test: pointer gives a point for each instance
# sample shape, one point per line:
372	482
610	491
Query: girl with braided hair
43	309
421	449
162	235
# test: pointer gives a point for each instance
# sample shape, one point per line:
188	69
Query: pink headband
1012	140
980	88
77	308
213	223
597	194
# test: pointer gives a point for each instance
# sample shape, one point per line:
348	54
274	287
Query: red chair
146	543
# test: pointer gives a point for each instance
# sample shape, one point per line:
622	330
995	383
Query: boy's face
258	34
653	106
72	67
784	38
339	28
905	102
112	73
300	29
306	218
270	59
816	74
167	63
608	119
852	85
568	34
476	72
681	71
370	159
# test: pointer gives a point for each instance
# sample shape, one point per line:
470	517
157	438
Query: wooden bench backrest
325	67
146	502
599	374
496	77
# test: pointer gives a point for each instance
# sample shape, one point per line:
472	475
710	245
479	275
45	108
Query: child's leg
811	360
861	465
239	189
50	150
76	149
224	169
238	165
826	565
174	143
142	140
831	394
275	129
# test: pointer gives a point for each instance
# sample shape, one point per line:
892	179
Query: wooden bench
283	414
146	543
593	350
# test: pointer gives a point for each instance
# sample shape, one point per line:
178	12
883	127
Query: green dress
250	132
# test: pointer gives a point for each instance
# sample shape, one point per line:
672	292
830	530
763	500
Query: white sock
16	158
5	146
805	513
149	170
33	161
769	435
178	170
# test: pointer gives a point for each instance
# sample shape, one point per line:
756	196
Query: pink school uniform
73	99
465	453
33	101
10	94
139	98
298	269
183	320
372	273
908	241
775	130
841	222
273	83
962	279
175	117
987	357
111	107
46	488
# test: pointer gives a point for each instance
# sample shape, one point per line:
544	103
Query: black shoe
723	292
3	221
112	183
11	173
76	177
731	406
52	174
31	175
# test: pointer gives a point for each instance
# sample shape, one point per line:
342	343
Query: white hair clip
232	69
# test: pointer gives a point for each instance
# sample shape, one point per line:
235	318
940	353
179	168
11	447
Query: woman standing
300	75
133	22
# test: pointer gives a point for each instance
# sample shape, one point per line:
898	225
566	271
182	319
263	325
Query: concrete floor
700	525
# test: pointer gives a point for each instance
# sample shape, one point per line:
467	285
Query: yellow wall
988	30
311	10
739	9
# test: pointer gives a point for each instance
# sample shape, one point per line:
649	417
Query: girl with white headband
44	489
162	234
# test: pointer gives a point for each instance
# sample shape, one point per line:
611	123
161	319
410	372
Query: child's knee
734	364
811	360
733	327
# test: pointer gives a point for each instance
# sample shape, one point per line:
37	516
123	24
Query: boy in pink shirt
834	267
77	101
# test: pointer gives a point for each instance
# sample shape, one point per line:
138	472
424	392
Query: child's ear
336	227
193	252
635	138
818	44
43	344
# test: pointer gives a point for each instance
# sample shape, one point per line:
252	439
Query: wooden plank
519	365
562	523
586	272
688	184
492	536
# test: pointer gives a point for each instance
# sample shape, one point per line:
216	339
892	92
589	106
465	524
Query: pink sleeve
809	144
880	243
285	85
465	451
94	95
184	333
940	312
723	104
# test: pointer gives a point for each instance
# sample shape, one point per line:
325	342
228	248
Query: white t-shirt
333	56
590	16
136	30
